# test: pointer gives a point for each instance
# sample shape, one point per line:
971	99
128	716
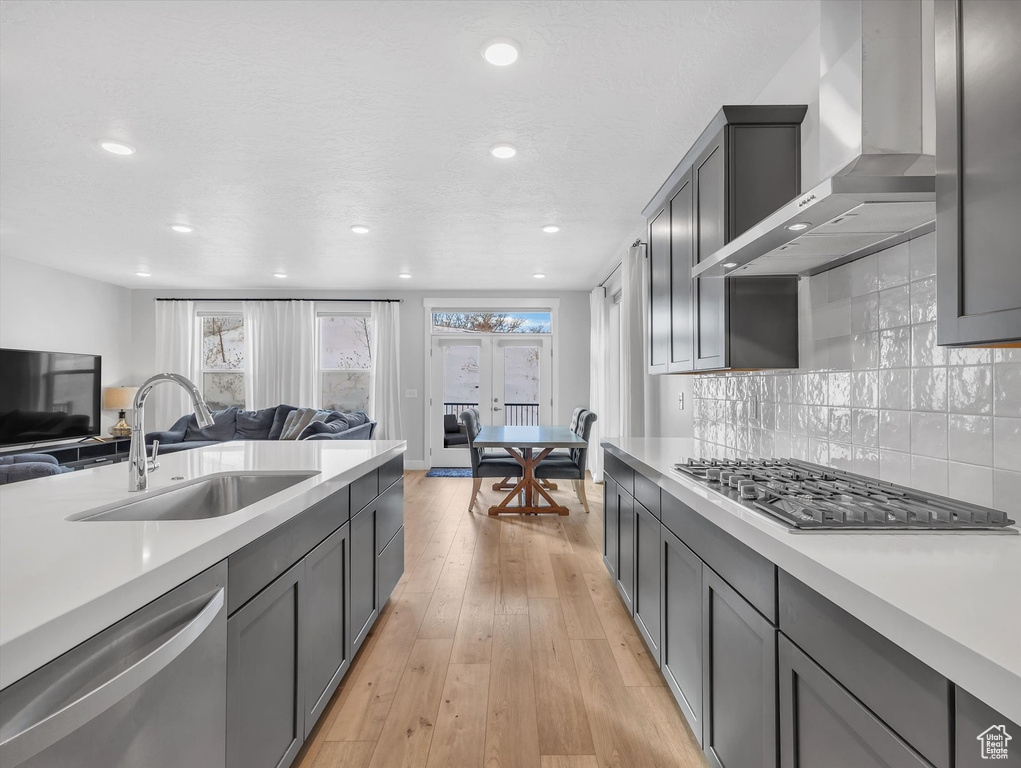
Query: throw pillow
282	412
298	420
335	427
356	418
255	425
224	426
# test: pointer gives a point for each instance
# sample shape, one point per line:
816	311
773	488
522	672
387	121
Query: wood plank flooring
505	645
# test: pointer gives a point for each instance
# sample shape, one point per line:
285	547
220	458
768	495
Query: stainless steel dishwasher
149	692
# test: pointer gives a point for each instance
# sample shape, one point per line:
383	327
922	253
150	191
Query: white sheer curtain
632	343
280	354
175	353
598	378
386	370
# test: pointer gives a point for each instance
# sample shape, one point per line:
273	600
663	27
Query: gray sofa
27	466
267	424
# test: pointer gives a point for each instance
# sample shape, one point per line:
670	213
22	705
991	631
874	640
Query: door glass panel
461	380
521	384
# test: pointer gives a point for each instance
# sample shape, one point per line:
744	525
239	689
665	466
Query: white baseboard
416	465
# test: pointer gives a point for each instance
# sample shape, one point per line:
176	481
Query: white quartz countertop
63	581
951	600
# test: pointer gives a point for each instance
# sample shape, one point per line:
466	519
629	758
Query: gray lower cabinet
823	726
390	567
325	629
265	689
647	578
364	591
610	517
738	679
681	601
983	736
626	548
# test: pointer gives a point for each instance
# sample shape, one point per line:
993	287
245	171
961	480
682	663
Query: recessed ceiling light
539	276
729	265
503	151
550	229
500	51
182	228
117	147
404	276
280	275
143	273
797	227
360	229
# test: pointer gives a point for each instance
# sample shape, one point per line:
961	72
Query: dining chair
571	465
484	466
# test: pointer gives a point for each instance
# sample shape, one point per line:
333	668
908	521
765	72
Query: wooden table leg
533	489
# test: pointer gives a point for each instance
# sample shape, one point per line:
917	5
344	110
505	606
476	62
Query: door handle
497	408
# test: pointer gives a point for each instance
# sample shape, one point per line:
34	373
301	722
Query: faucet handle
154	461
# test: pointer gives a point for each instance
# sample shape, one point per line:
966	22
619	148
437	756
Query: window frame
321	370
217	309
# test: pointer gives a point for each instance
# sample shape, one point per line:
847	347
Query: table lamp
119	399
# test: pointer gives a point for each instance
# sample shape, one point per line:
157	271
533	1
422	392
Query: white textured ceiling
272	127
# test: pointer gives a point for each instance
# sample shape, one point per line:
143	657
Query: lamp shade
119	398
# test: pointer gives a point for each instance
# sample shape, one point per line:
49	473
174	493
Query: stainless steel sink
200	499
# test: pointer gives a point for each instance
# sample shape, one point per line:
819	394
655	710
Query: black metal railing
516	414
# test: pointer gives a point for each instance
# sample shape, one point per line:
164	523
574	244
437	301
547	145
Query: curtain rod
235	298
606	279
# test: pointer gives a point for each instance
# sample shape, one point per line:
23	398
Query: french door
508	378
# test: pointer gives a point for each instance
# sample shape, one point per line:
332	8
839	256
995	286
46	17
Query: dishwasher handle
37	736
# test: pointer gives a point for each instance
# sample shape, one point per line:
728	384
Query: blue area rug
457	472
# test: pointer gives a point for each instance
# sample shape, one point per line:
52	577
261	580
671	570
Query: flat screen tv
48	396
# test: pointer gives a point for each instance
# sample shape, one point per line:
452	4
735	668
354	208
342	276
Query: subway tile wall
874	394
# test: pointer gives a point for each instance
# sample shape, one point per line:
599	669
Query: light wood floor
505	645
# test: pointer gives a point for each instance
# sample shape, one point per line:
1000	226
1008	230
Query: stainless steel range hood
880	183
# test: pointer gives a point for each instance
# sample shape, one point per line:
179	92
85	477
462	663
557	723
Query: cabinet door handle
50	727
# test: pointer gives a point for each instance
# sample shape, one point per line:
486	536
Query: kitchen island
898	634
331	543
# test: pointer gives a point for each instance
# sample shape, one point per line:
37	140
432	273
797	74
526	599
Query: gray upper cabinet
659	296
682	254
744	166
822	725
978	175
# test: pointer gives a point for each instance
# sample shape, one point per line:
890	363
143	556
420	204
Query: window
345	361
492	322
223	360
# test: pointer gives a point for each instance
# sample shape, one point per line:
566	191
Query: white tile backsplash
875	394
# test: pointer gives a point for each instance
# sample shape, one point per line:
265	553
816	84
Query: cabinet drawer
363	491
390	512
256	565
622	474
910	697
821	723
743	568
647	493
391	472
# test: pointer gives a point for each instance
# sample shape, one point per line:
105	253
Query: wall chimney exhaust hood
881	184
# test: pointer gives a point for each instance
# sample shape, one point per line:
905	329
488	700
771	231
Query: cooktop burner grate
809	497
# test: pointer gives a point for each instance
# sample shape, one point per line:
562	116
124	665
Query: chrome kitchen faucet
139	465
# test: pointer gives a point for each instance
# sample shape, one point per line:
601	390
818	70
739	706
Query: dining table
527	445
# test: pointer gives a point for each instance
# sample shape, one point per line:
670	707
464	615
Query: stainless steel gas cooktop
812	498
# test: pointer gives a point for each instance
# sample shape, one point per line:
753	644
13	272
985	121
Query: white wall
48	309
572	344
